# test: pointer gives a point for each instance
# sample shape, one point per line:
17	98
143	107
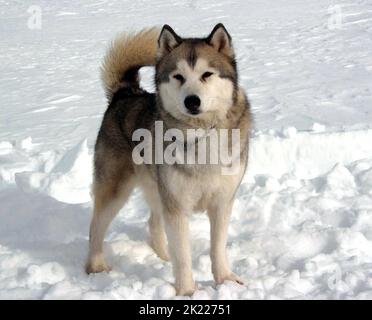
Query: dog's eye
179	77
206	75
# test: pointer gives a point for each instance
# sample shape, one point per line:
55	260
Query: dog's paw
161	251
186	291
219	279
163	255
94	267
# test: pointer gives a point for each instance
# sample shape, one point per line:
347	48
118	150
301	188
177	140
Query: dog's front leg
177	230
219	215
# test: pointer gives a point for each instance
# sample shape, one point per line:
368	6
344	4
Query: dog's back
130	107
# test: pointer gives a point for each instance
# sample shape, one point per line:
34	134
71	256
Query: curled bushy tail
128	53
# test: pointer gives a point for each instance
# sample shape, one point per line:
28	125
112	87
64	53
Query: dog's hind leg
158	238
109	198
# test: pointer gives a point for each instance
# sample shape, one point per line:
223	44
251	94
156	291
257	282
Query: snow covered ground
302	223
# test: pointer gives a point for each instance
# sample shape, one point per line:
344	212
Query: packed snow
302	222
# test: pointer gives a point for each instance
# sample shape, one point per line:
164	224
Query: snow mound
68	181
306	154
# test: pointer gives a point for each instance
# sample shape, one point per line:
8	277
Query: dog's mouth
194	112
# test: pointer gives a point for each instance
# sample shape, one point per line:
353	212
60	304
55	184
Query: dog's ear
221	40
168	40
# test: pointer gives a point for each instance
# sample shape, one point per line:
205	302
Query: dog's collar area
186	126
195	141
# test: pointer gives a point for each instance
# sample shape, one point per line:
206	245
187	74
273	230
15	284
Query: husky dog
196	87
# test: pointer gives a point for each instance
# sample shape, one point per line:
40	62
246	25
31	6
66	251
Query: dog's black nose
192	104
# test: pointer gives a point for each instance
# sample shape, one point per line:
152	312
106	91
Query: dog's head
196	77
